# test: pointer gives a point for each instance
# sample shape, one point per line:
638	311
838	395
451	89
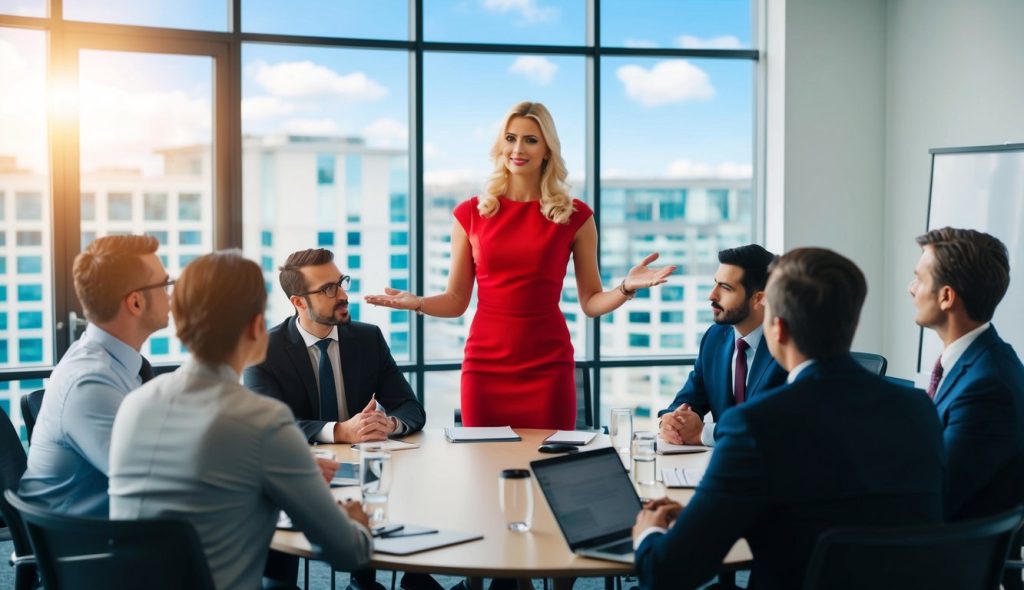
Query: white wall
955	78
833	135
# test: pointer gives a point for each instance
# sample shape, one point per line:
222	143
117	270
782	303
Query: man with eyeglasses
123	288
337	376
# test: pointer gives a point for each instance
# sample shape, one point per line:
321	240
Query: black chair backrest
874	363
966	555
12	454
86	553
30	406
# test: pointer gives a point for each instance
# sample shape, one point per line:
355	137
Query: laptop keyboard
620	548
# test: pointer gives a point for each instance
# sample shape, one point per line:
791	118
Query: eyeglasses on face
165	285
331	289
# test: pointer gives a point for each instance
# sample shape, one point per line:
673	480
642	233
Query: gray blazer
195	444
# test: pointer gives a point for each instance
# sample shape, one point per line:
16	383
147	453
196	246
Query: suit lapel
348	348
980	344
299	356
762	358
724	359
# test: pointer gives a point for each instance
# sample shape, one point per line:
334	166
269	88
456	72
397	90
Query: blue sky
659	117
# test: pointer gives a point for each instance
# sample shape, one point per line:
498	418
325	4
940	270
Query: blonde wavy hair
555	202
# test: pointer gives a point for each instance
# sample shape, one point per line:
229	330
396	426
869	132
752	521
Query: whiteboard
982	188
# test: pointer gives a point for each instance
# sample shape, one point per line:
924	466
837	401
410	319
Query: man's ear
781	330
947	298
298	302
757	300
135	303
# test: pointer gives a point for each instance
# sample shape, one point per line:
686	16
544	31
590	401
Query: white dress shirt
798	369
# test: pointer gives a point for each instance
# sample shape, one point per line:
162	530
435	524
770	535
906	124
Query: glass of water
516	498
621	431
375	478
645	472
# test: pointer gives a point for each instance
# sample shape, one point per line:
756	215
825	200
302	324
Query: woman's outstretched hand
643	276
395	299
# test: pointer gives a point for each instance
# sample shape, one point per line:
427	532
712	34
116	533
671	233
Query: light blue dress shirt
68	461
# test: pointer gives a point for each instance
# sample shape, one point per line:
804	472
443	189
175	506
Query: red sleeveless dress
518	367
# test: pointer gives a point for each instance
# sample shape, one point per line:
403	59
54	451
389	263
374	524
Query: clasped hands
681	426
657	513
368	425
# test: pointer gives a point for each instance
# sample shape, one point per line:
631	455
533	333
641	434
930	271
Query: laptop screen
589	493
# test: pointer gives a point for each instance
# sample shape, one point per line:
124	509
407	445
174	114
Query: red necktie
739	382
933	383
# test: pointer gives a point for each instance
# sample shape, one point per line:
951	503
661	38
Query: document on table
390	444
414	539
480	434
667	448
571	437
678	477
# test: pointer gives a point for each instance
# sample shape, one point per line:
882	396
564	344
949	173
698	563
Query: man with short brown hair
977	383
122	286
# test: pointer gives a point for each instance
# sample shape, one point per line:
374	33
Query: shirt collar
129	358
954	351
795	371
753	338
310	339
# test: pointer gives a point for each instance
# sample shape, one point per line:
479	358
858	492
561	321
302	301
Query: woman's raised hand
395	299
643	276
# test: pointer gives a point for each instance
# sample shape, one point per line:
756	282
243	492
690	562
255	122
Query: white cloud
689	169
430	150
305	79
320	127
528	9
453	176
386	132
266	107
22	109
666	82
535	68
722	42
640	43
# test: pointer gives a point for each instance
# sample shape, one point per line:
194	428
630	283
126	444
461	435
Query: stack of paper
480	434
677	477
667	448
571	437
390	445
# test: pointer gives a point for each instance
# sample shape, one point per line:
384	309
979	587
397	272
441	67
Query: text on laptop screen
591	496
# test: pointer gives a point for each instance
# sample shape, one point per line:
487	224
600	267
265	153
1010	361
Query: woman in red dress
514	241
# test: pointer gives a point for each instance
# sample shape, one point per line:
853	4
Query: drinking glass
516	497
645	471
621	431
375	478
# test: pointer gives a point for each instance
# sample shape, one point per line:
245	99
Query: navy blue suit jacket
981	405
367	367
709	386
837	447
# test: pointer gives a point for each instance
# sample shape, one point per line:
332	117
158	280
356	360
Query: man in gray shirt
123	289
196	444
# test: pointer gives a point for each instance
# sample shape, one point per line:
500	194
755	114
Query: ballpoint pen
408	533
385	530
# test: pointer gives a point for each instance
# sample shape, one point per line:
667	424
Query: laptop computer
593	501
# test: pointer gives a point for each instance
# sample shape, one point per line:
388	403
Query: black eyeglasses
331	289
165	285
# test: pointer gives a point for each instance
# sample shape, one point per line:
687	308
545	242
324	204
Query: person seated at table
978	381
335	374
123	289
737	302
196	444
835	446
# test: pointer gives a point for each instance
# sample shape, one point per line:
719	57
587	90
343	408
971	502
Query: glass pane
26	291
208	15
146	137
533	22
441	398
644	390
366	19
689	24
23	8
676	153
326	164
459	129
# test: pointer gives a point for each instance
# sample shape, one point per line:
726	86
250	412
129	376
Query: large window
357	136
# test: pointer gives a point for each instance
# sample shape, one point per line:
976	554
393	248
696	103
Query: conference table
454	486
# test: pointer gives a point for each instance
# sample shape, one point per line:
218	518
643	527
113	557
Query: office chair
966	555
874	363
12	467
30	405
85	553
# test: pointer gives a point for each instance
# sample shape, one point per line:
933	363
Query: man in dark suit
337	376
978	382
796	461
737	302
